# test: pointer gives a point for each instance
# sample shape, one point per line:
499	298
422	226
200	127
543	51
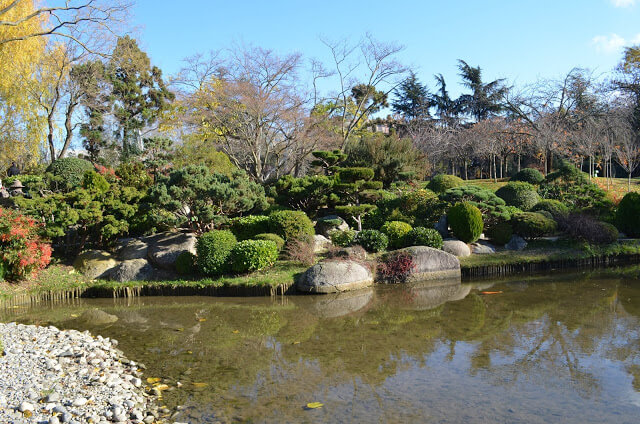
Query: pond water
562	348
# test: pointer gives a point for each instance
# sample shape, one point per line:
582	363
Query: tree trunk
519	169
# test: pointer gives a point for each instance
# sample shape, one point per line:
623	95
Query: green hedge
421	236
279	241
69	172
342	238
372	240
628	215
213	250
396	231
441	183
186	263
290	224
529	175
246	227
253	255
465	221
533	225
556	208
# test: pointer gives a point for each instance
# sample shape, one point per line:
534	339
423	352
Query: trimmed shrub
186	263
556	208
421	236
589	229
442	182
95	182
246	227
466	222
500	233
628	214
342	238
213	250
290	224
532	225
372	240
492	207
253	255
68	173
22	252
279	241
350	175
396	231
519	194
529	175
134	174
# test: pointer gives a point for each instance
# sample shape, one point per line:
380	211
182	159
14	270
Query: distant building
381	128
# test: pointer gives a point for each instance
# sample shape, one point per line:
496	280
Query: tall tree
447	109
485	99
412	99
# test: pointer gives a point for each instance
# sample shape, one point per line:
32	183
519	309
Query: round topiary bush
290	224
68	173
532	225
465	221
279	241
213	250
529	175
628	214
246	227
396	231
372	240
556	208
500	233
442	182
186	263
421	236
519	194
95	182
342	238
589	229
253	255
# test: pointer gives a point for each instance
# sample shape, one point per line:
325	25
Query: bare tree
627	143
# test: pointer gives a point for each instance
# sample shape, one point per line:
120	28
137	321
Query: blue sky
520	40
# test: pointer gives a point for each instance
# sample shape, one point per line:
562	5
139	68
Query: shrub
441	183
95	182
327	224
308	194
22	251
396	231
213	250
500	233
290	224
556	208
589	229
301	250
492	207
372	240
466	222
532	225
134	174
68	173
186	263
253	255
395	267
421	236
519	194
246	227
342	238
416	207
529	175
628	214
279	241
350	175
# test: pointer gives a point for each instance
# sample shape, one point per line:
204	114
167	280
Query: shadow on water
562	348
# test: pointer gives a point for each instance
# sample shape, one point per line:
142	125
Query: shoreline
66	376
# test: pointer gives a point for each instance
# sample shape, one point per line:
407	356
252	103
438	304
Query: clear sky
520	40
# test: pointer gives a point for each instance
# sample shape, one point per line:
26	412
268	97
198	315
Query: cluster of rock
15	189
138	259
53	376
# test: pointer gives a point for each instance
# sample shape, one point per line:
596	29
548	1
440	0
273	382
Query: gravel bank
53	376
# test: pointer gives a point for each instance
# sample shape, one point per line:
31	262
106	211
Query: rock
97	317
334	276
132	270
54	420
133	249
429	263
51	398
81	401
95	263
482	248
457	248
321	243
425	295
325	225
442	226
26	406
335	305
516	243
164	248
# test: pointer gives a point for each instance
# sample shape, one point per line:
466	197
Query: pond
558	348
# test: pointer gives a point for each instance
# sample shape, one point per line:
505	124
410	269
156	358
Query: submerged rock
95	264
334	276
457	248
97	317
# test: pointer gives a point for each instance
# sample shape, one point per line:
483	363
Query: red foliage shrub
22	251
396	268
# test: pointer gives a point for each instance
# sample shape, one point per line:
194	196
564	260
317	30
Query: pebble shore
53	376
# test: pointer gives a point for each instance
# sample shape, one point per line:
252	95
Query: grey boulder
327	224
133	249
132	270
457	248
429	263
334	276
516	243
164	248
321	243
482	248
95	264
442	226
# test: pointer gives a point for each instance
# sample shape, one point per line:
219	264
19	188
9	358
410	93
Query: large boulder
97	317
428	263
329	223
132	270
133	249
164	248
516	243
334	276
95	264
482	248
321	243
457	248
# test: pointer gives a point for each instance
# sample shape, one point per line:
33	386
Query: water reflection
564	349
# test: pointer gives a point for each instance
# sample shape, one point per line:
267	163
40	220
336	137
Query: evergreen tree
412	99
485	99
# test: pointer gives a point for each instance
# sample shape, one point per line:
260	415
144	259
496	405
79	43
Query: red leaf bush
22	251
